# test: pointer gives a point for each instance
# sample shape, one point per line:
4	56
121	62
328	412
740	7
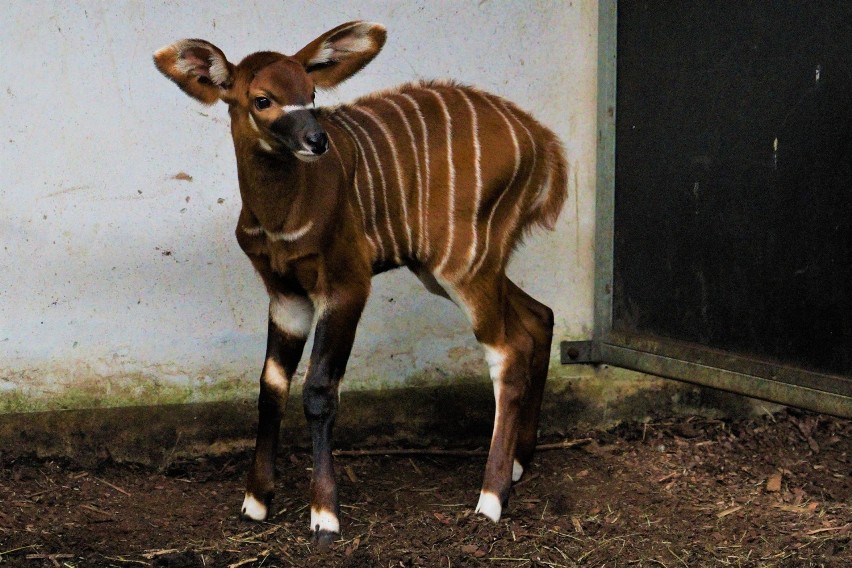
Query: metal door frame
688	362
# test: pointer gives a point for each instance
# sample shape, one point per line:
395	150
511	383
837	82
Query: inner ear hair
321	65
198	67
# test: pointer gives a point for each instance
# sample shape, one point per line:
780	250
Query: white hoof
489	505
517	471
254	509
322	520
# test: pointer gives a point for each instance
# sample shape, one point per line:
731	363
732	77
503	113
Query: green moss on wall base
172	423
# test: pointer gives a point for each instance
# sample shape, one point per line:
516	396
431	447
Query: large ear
338	54
198	67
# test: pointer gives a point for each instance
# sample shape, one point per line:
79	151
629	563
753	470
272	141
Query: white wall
120	284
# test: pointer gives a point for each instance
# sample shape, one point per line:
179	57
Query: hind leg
537	319
509	350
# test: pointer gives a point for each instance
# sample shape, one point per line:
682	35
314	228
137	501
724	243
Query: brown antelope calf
439	177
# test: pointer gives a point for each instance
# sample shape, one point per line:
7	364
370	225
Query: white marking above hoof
322	520
254	509
517	470
489	505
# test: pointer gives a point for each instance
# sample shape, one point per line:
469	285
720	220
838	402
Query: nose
317	141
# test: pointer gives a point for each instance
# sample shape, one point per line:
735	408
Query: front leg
290	318
338	315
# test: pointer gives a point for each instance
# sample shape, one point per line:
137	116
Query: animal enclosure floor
679	492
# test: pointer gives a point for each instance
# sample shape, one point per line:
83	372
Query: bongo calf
435	176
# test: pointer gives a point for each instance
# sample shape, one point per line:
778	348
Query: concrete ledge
456	414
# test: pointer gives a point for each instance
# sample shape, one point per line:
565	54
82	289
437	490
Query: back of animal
448	177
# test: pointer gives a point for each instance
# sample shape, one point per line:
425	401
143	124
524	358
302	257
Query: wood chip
730	511
817	531
773	484
667	477
94	509
54	558
563	444
151	554
350	473
793	509
813	445
116	487
578	526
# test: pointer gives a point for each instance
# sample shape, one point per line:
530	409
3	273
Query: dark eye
261	103
314	95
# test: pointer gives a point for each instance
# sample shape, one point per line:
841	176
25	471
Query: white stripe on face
252	123
286	109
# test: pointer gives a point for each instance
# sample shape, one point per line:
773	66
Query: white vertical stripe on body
399	180
370	241
519	203
370	189
424	249
477	162
451	184
506	188
417	176
396	257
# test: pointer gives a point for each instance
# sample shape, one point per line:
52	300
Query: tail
551	197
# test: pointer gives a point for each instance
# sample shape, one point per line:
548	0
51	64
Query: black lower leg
320	403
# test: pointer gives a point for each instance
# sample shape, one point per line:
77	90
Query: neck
270	184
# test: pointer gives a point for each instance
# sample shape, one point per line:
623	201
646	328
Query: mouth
307	156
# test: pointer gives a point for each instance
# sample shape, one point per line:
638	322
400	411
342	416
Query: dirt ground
678	492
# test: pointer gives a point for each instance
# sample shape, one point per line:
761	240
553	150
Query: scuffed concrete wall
120	280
